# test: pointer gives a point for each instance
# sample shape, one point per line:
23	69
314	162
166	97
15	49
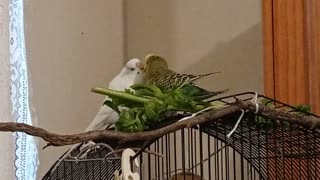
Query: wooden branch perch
214	115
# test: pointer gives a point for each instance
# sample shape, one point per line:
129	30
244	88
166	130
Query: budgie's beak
140	66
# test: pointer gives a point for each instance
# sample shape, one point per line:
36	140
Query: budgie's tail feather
103	119
196	77
208	74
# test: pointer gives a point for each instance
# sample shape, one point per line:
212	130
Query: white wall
72	46
201	36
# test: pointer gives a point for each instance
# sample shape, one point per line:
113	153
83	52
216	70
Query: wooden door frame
313	51
291	40
268	54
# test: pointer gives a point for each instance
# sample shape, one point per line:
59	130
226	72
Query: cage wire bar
267	150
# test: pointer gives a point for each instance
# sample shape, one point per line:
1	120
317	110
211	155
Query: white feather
103	118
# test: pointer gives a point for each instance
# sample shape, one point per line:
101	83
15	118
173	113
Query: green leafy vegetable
261	122
149	104
303	109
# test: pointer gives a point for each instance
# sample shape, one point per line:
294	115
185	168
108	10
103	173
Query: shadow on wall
239	60
148	28
162	27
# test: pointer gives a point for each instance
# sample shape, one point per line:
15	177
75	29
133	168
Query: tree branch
214	115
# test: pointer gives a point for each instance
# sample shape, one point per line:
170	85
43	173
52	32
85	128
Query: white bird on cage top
131	73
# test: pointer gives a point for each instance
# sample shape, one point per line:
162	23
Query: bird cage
259	148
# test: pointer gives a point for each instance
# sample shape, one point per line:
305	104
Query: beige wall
201	36
7	140
77	44
72	46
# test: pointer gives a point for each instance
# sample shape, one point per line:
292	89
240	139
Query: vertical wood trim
291	63
313	51
281	49
300	76
285	53
267	15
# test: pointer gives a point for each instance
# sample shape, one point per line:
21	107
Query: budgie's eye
132	69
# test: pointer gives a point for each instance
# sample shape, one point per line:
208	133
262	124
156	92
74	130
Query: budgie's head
134	70
153	64
134	65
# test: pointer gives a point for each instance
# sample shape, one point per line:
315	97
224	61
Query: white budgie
131	73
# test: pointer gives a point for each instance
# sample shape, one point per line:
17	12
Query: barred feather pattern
169	79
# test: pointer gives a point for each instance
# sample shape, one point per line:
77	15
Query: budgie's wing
198	93
211	94
170	79
103	118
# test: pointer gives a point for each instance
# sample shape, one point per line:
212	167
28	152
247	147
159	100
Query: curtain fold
26	156
18	152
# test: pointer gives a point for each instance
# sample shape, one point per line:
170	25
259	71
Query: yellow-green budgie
156	72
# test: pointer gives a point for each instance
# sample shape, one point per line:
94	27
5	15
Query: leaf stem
120	94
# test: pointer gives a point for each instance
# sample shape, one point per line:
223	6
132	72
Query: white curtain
18	152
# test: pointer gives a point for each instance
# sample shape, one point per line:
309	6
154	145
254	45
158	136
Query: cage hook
127	173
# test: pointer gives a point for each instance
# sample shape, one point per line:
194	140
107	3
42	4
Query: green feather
200	94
